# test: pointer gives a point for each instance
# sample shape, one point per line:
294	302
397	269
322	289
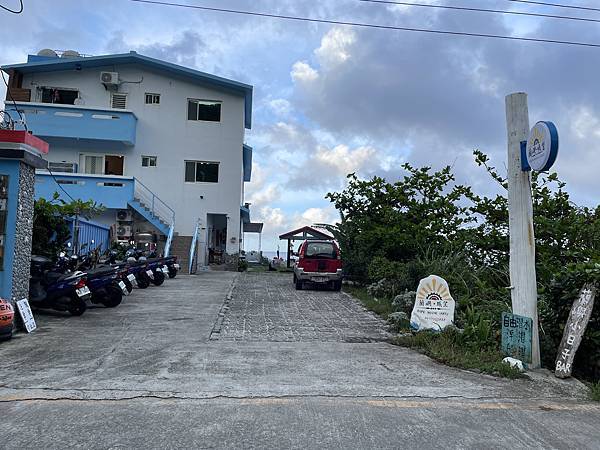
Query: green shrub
595	391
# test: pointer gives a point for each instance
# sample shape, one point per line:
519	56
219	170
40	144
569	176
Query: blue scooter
49	288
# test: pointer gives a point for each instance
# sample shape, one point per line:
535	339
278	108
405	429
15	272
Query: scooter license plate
131	277
82	292
165	270
177	266
123	288
150	274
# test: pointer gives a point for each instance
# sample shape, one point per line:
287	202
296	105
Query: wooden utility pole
520	218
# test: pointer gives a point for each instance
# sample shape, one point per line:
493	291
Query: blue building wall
10	168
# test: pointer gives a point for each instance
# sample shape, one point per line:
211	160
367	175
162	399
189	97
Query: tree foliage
426	223
51	230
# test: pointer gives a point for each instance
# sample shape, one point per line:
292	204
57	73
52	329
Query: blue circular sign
542	146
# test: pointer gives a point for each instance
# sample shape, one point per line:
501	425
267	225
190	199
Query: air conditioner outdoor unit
124	231
124	215
109	78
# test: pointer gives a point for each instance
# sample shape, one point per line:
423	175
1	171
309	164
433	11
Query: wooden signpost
576	324
528	149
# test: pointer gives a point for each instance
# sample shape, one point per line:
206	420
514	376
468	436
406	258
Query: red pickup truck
318	262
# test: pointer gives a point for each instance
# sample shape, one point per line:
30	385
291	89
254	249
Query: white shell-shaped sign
434	306
542	146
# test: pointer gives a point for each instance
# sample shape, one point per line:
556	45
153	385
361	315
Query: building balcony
110	190
48	120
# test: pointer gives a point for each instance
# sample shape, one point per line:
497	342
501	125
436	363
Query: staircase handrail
169	240
193	246
155	202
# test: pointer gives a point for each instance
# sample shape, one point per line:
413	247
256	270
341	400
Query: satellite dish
47	52
70	54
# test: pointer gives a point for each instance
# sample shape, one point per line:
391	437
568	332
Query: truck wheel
299	285
113	298
337	285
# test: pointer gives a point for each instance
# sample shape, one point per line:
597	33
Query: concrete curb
216	330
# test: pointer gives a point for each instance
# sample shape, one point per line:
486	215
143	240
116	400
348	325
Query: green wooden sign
517	336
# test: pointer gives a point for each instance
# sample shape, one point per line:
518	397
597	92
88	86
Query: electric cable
12	10
371	25
484	10
556	5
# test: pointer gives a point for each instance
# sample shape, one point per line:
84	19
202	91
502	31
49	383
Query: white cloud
335	46
302	72
281	107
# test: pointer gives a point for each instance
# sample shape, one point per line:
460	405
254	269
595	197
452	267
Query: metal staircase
154	210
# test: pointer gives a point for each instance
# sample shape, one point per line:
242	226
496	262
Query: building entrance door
113	164
217	238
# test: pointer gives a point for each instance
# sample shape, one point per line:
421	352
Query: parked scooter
104	281
50	288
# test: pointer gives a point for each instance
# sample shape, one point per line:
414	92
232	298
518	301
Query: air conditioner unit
124	215
109	78
123	231
65	167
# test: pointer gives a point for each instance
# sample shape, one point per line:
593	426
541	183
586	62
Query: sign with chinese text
542	146
434	306
578	320
517	334
26	315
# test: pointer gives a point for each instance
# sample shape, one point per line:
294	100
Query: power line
556	5
14	11
494	11
370	25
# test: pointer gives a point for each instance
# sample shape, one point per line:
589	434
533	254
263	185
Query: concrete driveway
223	360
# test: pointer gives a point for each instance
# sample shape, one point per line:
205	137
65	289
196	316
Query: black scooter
50	288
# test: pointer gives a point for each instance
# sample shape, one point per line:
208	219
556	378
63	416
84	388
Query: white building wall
164	131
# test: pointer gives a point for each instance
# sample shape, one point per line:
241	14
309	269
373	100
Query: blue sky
330	100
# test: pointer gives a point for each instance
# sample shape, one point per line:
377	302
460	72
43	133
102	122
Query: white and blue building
161	146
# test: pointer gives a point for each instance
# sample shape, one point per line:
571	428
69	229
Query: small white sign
26	315
542	146
434	306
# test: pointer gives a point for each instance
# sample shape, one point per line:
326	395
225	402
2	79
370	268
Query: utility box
20	154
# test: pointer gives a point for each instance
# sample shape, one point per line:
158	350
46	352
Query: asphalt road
183	366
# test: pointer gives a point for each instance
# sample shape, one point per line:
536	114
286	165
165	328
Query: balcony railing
110	190
77	122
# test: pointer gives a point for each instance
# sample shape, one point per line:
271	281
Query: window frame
153	97
198	102
196	163
150	158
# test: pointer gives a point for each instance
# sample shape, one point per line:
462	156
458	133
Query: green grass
595	391
447	348
382	307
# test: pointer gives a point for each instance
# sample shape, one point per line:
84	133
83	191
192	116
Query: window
320	250
59	96
92	164
148	161
201	172
206	110
118	101
152	99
